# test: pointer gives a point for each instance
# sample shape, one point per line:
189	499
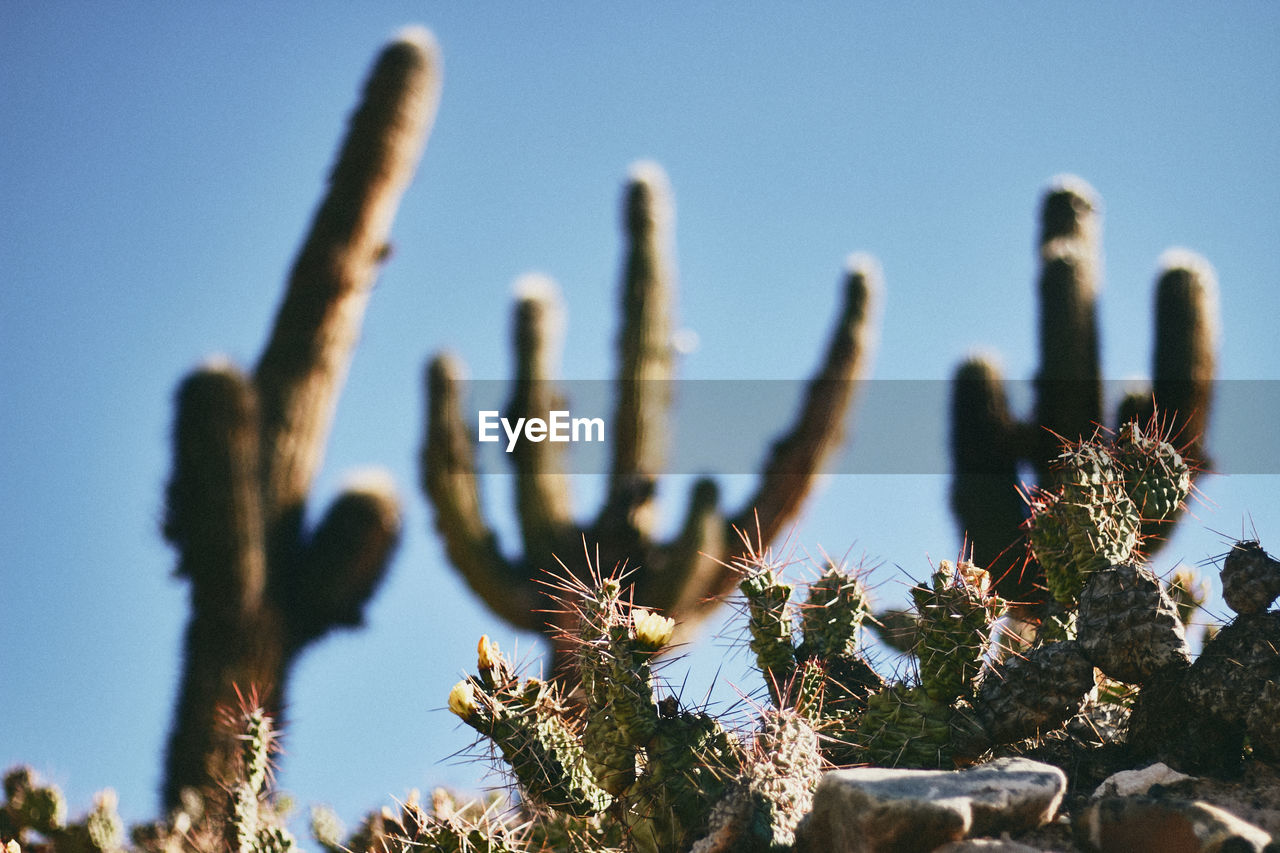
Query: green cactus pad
904	727
1156	476
955	614
833	614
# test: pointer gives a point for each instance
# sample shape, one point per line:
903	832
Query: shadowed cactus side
686	577
988	443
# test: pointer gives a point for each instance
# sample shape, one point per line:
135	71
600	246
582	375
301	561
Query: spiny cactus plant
826	677
650	774
1201	717
34	816
238	814
683	578
988	444
246	448
1107	492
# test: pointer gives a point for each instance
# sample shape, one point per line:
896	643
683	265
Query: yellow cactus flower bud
487	652
462	699
653	631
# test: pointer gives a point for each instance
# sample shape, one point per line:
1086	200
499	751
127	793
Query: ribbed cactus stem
769	608
985	448
955	613
305	361
543	500
645	356
526	722
833	613
1185	359
904	727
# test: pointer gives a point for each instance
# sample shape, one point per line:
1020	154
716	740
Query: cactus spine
683	578
246	448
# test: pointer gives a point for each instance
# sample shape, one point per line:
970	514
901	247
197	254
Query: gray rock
874	809
987	845
1130	783
1171	826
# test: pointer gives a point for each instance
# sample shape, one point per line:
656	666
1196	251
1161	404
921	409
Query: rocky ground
1023	806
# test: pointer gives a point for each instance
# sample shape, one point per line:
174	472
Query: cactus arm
1186	347
683	577
543	502
305	361
1069	385
347	558
213	512
449	479
644	350
796	459
984	486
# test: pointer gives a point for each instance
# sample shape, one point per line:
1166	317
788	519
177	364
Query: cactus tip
536	287
1077	186
418	36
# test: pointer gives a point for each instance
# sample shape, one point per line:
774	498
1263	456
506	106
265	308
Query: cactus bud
653	631
487	653
462	699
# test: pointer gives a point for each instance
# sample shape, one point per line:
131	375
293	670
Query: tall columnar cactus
246	447
682	578
988	444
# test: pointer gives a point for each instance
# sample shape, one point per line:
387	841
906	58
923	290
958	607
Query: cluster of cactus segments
637	769
34	818
1202	716
824	676
1107	491
649	766
238	814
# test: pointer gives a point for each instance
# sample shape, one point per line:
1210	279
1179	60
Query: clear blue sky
161	161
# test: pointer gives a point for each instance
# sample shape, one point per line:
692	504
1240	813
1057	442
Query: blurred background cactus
247	447
991	450
686	577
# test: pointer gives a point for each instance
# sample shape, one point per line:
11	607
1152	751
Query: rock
1131	783
987	845
873	809
1170	826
